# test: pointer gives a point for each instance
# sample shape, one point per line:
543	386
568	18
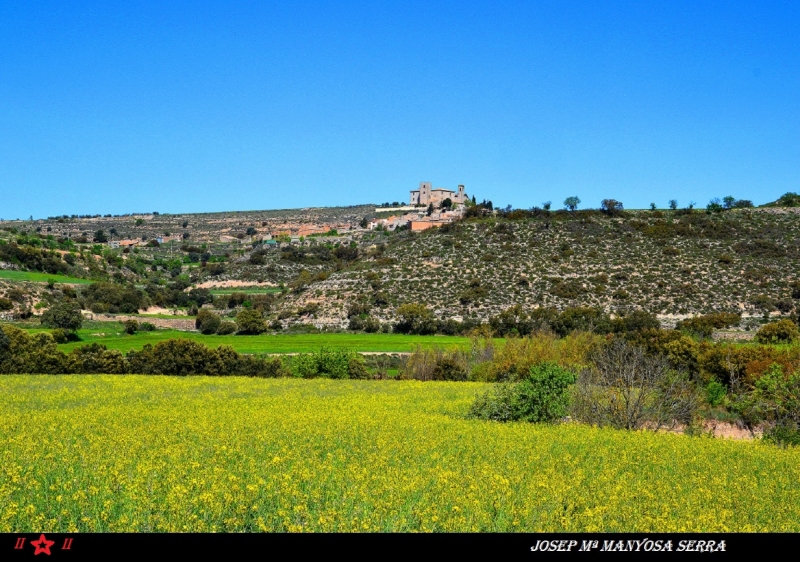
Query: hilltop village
427	208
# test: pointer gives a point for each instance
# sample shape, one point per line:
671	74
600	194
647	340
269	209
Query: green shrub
131	326
715	393
226	328
60	336
65	315
542	396
6	304
147	327
250	322
96	358
773	400
357	368
782	331
415	318
332	363
449	369
705	325
207	322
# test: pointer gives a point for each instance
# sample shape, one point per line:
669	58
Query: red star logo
42	545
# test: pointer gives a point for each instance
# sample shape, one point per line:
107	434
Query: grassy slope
133	453
39	277
111	335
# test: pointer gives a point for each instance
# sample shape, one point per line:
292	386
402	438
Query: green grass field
112	335
37	277
99	453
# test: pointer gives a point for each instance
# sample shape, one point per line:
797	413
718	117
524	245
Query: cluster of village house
415	216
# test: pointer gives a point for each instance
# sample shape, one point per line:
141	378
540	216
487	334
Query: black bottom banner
52	546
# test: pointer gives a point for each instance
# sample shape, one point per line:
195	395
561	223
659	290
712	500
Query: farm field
37	277
136	453
112	335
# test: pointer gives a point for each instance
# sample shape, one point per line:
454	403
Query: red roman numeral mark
67	544
20	543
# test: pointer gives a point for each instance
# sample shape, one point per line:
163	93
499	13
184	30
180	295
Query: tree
546	205
652	206
714	206
571	203
630	389
610	206
430	209
673	204
415	318
100	237
782	331
65	315
774	399
728	201
473	200
250	322
788	199
207	322
447	203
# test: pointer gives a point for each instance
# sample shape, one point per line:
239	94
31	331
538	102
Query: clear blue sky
198	106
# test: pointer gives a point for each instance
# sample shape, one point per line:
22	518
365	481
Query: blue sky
200	106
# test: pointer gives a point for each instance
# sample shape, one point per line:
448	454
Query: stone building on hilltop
426	195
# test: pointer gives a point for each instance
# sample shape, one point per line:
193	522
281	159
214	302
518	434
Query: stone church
426	195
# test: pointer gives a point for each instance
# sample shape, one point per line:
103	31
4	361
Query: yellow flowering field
136	453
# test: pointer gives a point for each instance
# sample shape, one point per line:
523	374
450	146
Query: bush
415	318
60	336
226	328
539	397
774	400
147	327
329	363
250	322
6	304
65	315
582	319
131	326
515	359
449	369
705	325
207	322
629	389
715	393
782	331
95	358
112	297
